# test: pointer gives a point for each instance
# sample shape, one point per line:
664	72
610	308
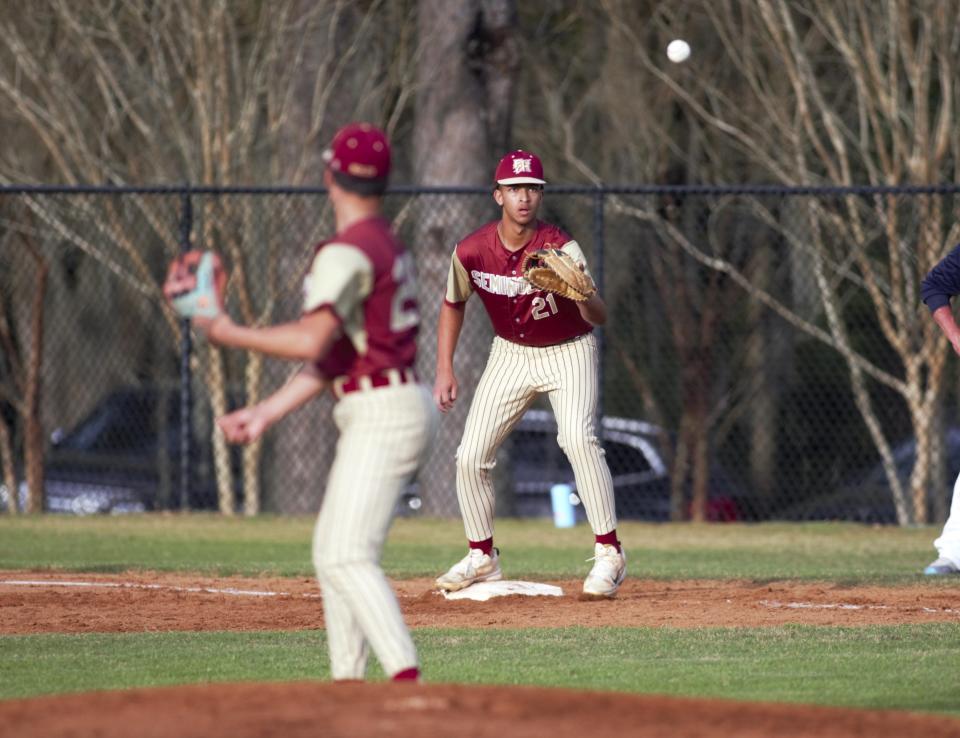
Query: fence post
599	198
186	347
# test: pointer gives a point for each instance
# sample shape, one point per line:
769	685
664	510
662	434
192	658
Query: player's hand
211	328
245	425
593	310
445	390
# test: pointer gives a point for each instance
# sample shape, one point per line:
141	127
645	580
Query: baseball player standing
937	289
356	336
543	344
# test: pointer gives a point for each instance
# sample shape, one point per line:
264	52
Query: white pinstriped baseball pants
948	543
568	373
384	436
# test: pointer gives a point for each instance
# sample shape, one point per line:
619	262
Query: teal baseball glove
195	285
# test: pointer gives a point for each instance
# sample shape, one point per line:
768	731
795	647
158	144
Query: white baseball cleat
609	569
476	566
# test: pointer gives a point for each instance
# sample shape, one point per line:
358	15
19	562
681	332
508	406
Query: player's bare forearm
593	310
250	423
448	333
307	339
302	387
943	317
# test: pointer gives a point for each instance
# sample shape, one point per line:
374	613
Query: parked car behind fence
124	456
641	479
866	496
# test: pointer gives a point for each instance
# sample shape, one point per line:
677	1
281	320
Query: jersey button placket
511	263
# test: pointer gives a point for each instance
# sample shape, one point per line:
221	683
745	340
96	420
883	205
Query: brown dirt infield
44	602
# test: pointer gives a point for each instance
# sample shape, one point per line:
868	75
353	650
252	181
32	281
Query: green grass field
418	547
910	667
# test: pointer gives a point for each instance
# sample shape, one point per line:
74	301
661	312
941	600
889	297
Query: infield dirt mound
301	709
45	602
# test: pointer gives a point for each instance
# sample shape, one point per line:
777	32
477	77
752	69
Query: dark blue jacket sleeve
943	281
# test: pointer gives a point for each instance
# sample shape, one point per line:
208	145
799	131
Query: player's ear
498	196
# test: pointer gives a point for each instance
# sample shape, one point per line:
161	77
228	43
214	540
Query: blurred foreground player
356	336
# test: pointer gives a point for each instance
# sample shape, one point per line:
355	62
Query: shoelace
471	561
605	556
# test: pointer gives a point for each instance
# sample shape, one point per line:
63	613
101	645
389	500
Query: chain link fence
766	355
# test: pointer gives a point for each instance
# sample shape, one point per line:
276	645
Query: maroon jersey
518	311
365	275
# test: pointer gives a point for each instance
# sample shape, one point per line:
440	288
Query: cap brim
521	180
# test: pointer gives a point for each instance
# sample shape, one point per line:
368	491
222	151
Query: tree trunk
700	480
763	402
680	472
252	452
696	409
465	81
216	382
925	426
920	474
7	471
297	455
33	442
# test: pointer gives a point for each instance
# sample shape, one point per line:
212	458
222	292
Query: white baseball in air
678	50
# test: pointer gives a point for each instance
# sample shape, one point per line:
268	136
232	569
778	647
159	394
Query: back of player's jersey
391	312
367	277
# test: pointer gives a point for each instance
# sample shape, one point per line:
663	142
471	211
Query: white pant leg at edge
348	648
948	544
384	436
572	372
502	396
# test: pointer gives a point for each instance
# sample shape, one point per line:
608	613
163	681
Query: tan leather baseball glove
556	271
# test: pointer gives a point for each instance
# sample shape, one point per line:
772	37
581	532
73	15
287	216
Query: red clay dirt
44	602
137	601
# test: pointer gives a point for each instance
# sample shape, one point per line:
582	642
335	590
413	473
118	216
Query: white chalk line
166	587
845	606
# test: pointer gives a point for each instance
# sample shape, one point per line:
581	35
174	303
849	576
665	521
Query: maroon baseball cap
519	167
359	150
